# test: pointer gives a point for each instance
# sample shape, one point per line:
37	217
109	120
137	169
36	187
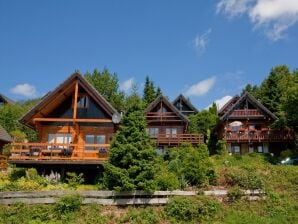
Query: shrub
190	209
165	179
191	164
17	173
74	180
68	203
234	194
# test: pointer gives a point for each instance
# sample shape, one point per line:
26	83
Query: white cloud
127	85
25	89
233	8
273	17
201	87
201	41
221	102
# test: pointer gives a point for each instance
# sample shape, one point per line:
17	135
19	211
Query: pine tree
132	162
158	92
149	93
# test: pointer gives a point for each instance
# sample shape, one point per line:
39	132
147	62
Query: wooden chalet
75	127
244	125
167	125
184	105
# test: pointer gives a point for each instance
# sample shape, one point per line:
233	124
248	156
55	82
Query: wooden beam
92	120
75	100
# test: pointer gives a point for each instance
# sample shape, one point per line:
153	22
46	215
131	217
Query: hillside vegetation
232	172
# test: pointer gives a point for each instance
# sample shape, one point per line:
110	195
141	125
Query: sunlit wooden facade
245	126
167	125
75	126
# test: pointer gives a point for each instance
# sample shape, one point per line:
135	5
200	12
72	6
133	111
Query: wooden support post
75	100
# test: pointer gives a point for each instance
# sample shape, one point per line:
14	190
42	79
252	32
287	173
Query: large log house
75	127
245	126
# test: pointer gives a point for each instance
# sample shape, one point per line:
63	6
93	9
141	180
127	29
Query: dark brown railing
177	139
162	116
246	113
48	151
260	136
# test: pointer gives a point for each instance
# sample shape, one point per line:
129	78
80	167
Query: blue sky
207	50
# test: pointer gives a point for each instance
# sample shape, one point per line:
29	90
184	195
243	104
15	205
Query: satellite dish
116	118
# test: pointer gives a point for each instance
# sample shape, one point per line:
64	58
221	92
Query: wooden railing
246	113
260	136
162	116
177	139
48	151
3	162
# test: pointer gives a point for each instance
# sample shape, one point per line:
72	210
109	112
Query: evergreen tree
107	84
132	162
272	90
158	92
149	93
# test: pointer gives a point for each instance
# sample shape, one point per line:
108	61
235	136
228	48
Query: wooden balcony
260	136
175	140
162	117
244	113
58	153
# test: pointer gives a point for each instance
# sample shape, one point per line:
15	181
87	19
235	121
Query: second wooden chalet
245	126
167	125
75	127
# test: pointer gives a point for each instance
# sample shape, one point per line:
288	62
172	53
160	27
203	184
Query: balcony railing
253	113
162	116
58	152
177	139
260	136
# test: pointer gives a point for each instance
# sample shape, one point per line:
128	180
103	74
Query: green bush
166	180
190	209
235	194
16	173
68	203
247	179
74	180
191	165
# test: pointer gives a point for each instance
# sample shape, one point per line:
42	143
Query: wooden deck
175	140
260	136
27	153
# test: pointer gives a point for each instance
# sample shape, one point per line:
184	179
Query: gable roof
168	104
187	102
6	99
252	100
4	136
53	98
228	105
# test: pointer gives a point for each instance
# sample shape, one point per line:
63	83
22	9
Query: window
89	139
236	149
83	101
94	139
260	148
251	127
59	138
153	132
171	132
100	139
